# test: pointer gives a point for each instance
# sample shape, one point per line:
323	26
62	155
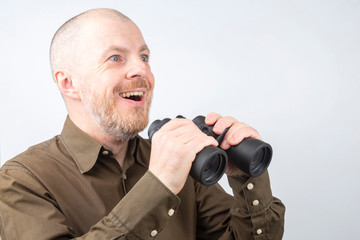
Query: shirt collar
85	150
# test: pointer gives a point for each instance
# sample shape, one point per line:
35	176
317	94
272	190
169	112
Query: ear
65	85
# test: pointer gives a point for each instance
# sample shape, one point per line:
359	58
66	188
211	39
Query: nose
137	68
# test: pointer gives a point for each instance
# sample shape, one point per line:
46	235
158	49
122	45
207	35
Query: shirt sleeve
28	211
254	213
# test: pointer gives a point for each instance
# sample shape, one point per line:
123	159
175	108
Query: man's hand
174	148
175	145
236	133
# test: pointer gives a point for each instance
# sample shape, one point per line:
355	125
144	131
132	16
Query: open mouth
134	96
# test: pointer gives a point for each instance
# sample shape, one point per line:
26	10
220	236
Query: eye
144	58
115	58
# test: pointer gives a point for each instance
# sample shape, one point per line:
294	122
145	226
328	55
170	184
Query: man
99	180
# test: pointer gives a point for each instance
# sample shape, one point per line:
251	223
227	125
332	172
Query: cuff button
259	231
153	233
250	186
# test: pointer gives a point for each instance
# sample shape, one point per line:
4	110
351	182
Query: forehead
105	33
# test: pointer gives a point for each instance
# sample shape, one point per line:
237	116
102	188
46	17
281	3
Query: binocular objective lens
214	168
211	167
260	161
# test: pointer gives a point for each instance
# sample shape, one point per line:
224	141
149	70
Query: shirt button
171	212
255	202
259	231
105	152
250	186
153	233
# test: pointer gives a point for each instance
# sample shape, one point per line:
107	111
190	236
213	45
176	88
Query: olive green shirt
71	187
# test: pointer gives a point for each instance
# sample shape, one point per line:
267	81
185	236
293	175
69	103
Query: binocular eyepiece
251	155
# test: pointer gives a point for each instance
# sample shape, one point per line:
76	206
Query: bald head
64	54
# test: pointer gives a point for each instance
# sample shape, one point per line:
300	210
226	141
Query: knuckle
175	121
188	121
214	114
229	118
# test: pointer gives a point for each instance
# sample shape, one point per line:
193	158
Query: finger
212	118
170	130
176	123
198	143
184	131
174	127
223	123
237	133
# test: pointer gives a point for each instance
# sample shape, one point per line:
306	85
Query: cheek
87	79
152	81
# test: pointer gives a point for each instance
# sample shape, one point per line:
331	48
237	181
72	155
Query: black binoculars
251	155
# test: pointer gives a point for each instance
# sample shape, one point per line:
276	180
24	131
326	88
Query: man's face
115	76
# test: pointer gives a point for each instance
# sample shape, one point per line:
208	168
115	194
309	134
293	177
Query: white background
288	68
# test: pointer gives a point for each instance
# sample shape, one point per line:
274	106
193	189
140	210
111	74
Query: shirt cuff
146	209
253	195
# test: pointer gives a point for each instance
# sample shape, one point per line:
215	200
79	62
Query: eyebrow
144	48
124	50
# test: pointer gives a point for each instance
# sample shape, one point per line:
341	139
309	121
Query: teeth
128	94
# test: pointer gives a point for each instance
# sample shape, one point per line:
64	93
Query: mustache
132	84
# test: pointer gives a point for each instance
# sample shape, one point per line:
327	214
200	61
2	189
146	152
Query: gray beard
122	128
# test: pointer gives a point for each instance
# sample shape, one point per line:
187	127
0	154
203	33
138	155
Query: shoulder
47	153
34	150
